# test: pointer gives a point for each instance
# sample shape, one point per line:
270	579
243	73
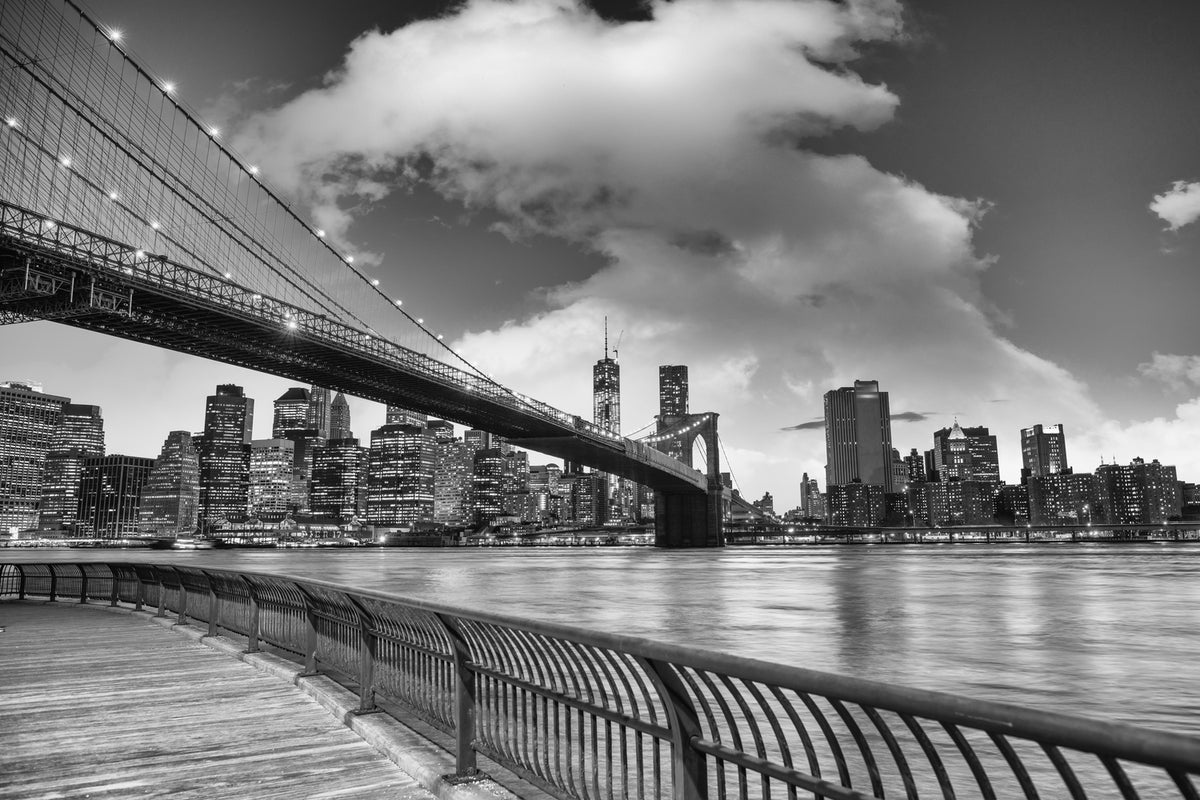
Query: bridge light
399	302
155	225
349	259
253	170
256	297
292	324
168	87
66	162
439	337
113	195
320	233
115	34
140	254
129	270
228	275
375	282
10	122
422	322
214	132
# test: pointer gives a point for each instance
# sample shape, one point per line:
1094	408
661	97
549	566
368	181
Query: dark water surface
1103	630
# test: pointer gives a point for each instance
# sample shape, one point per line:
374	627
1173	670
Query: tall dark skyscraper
225	455
291	422
339	480
487	485
291	412
858	436
966	454
1044	450
78	436
319	409
339	418
606	412
171	494
28	418
109	493
672	390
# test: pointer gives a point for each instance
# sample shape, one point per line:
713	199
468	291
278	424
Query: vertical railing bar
814	763
253	626
910	787
863	747
114	595
310	638
1016	765
53	584
968	752
366	657
1119	778
212	603
934	757
21	586
1184	783
1064	771
83	585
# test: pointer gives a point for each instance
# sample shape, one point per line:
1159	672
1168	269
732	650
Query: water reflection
1102	630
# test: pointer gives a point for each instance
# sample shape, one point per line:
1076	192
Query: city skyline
861	249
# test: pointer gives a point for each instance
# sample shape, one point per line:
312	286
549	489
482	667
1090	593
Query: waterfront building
858	436
586	494
1043	450
856	504
339	418
272	464
1012	504
340	480
109	494
487	485
766	504
1063	498
544	485
453	467
225	455
400	476
170	498
28	418
812	503
79	435
915	464
1138	493
899	473
319	411
966	454
398	415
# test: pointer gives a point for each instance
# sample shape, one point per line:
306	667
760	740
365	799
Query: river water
1103	630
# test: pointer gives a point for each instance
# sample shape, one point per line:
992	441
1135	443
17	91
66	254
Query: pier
568	712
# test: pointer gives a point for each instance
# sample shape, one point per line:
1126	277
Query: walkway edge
427	763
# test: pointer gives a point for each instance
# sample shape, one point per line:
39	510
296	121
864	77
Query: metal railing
592	715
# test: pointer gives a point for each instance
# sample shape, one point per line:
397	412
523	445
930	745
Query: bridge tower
690	519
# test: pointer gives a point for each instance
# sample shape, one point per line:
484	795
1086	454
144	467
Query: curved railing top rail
1103	738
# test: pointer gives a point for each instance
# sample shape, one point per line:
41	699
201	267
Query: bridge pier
688	520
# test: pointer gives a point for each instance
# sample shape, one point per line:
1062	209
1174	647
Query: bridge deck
104	705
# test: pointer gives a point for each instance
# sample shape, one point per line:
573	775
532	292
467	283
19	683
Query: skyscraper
399	415
858	436
291	412
606	413
291	422
966	454
109	492
487	485
272	462
1044	450
339	480
171	494
225	455
319	412
453	463
78	435
400	475
28	418
672	390
339	419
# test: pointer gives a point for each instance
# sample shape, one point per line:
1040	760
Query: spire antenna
606	336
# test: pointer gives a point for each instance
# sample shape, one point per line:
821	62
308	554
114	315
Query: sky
990	208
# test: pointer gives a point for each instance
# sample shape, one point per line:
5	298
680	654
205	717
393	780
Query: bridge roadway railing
593	715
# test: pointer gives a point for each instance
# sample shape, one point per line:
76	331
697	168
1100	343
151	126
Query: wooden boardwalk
106	705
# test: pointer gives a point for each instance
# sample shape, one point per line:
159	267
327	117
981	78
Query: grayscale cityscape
584	399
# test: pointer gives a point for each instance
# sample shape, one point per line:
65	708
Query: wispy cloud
1179	205
1175	371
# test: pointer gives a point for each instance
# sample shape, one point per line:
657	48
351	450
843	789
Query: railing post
310	639
465	701
53	583
366	659
83	584
181	617
212	604
21	587
689	773
252	634
114	595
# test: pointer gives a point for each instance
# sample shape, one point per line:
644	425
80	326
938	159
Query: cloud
774	271
1179	205
912	416
817	424
1175	371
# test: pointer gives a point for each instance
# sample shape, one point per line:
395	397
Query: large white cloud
675	147
1179	205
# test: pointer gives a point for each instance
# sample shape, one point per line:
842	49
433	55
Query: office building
1063	498
672	390
487	486
339	418
109	495
518	502
858	449
319	412
440	430
965	454
170	498
272	464
606	413
79	435
292	415
812	503
291	412
1043	450
914	462
398	415
856	504
1137	493
477	439
339	480
225	456
400	476
28	418
454	462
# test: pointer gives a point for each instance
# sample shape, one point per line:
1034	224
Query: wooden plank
106	705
